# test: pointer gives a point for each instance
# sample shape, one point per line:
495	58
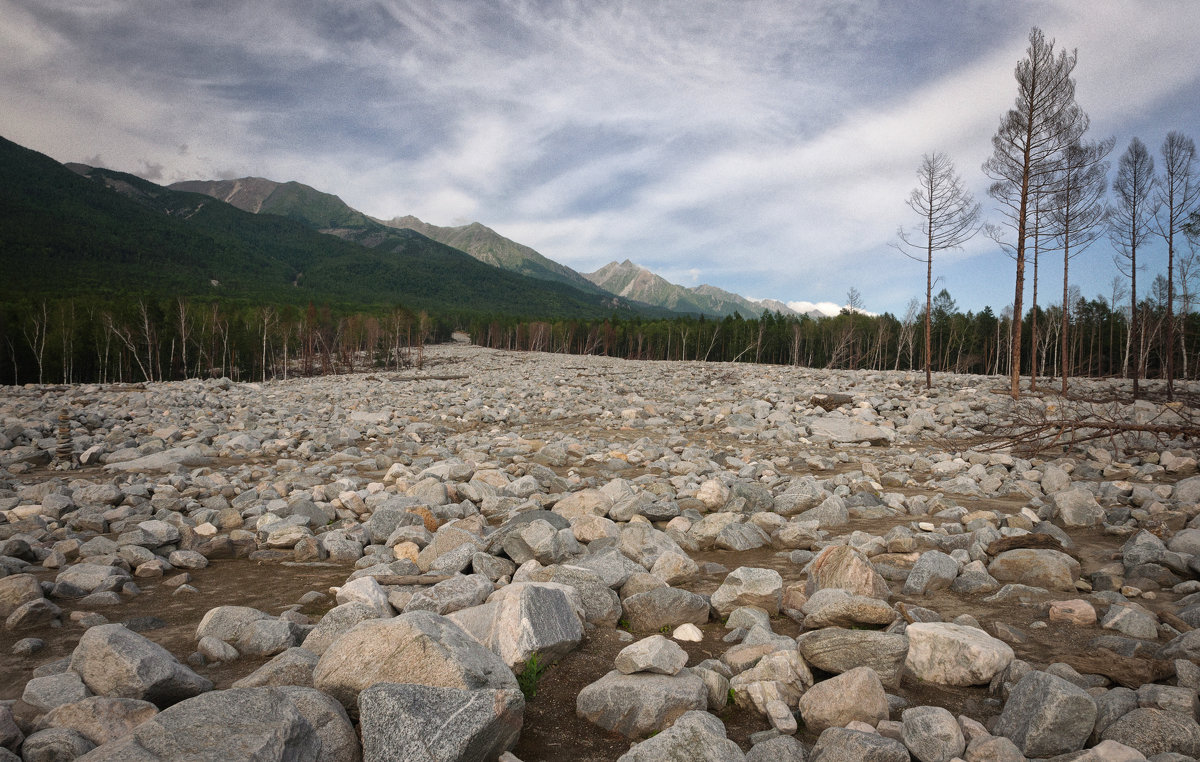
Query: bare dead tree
1129	225
1178	196
1031	137
1186	263
949	218
908	328
1079	211
35	330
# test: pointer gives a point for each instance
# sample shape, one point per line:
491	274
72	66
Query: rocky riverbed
541	557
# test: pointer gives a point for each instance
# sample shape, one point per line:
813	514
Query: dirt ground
552	730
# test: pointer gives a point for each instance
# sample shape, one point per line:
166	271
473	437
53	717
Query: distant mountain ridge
635	282
329	214
488	246
68	231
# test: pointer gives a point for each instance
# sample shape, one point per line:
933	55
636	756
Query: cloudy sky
762	146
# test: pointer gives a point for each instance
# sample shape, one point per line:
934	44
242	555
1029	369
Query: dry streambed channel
525	556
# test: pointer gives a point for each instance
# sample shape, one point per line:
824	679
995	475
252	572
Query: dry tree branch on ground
1035	425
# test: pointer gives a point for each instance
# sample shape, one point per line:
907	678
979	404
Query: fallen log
1130	671
411	579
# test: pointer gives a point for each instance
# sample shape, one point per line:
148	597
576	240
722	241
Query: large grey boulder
954	654
601	604
845	745
88	578
526	618
801	494
741	536
17	589
31	615
1036	567
749	586
643	544
695	737
99	719
838	428
388	517
1045	715
932	734
11	735
265	724
292	667
419	647
458	592
777	749
844	567
421	723
540	541
55	745
1156	731
337	621
250	631
653	654
664	607
167	460
339	741
781	676
228	623
637	705
838	650
835	607
1078	508
934	570
832	512
854	695
115	661
45	693
587	502
366	589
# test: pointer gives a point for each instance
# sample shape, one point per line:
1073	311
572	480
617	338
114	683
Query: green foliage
623	624
529	677
110	234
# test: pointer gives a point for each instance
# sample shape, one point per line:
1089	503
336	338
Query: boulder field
524	556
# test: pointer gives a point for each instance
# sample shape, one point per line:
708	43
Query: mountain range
67	229
329	214
640	284
98	234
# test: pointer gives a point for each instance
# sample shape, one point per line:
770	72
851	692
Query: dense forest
80	340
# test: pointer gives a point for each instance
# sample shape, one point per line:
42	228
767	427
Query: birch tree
1177	197
1078	213
949	218
1129	226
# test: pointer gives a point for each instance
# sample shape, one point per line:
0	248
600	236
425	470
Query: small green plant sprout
623	624
527	681
665	629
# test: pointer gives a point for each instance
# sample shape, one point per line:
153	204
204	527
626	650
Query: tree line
1050	188
141	339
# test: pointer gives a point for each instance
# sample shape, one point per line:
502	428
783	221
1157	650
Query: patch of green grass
623	624
529	677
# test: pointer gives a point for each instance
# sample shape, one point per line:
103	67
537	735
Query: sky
762	146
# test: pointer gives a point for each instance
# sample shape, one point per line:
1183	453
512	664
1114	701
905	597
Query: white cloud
825	308
767	144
